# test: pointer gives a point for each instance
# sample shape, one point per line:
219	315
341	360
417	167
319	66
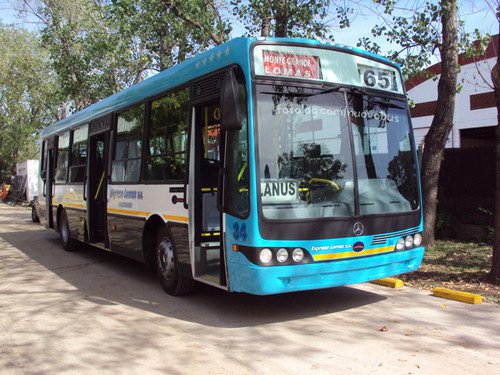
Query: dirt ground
92	312
458	266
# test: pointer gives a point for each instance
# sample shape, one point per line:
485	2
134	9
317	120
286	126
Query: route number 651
377	78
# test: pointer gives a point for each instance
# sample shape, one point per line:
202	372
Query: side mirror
230	102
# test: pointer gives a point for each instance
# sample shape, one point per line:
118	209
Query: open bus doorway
209	257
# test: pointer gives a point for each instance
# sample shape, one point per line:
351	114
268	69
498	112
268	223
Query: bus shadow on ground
107	279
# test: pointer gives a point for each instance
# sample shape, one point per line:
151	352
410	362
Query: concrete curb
389	282
457	296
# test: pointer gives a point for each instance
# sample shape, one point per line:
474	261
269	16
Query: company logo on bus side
358	246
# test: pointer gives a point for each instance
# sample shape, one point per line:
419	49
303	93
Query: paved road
92	312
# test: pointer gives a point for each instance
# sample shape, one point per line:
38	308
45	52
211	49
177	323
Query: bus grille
382	238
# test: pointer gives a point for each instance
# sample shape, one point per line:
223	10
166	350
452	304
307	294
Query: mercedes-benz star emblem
358	228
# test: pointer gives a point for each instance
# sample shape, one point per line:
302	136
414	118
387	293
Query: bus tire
34	215
167	267
68	243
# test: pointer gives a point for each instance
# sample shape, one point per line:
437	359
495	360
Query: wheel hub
165	259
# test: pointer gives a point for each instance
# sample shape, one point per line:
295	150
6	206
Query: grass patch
458	266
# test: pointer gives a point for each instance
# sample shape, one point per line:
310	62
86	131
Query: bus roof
197	66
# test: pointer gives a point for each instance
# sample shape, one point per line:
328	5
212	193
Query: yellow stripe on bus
75	205
67	204
128	212
146	214
352	254
176	218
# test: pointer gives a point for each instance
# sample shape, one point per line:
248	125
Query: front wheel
167	267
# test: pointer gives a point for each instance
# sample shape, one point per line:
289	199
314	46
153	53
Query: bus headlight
266	256
400	244
298	255
282	255
275	256
409	242
417	240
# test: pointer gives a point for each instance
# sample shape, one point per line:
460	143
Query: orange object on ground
5	190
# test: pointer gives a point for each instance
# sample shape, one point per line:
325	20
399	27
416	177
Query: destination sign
344	67
277	63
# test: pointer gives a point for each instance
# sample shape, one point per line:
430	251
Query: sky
475	13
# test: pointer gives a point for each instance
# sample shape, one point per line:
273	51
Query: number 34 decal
240	231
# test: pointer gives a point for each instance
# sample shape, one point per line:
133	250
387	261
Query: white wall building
475	116
29	168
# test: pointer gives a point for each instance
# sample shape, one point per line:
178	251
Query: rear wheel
34	215
67	242
167	267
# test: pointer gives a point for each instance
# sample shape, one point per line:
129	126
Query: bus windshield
326	154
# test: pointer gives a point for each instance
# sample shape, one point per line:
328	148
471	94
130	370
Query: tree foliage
166	32
284	18
100	47
416	34
26	101
84	51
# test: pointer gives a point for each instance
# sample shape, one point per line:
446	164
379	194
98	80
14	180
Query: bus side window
167	144
62	157
78	160
127	156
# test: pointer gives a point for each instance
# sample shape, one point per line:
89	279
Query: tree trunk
266	20
282	19
494	275
266	26
442	123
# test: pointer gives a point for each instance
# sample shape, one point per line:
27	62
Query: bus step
210	245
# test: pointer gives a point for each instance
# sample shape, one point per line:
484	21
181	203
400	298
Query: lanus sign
283	64
279	191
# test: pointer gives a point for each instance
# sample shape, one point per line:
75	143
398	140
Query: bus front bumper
249	278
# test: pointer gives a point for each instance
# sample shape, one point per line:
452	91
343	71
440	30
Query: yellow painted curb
458	296
389	282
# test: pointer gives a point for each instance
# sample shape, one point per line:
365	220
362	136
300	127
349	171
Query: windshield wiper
326	90
371	99
336	88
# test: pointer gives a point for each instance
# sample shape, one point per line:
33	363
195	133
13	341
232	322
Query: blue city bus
262	166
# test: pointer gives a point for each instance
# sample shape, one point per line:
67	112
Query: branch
35	13
215	37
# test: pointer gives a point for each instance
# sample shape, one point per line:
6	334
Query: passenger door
47	181
97	181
